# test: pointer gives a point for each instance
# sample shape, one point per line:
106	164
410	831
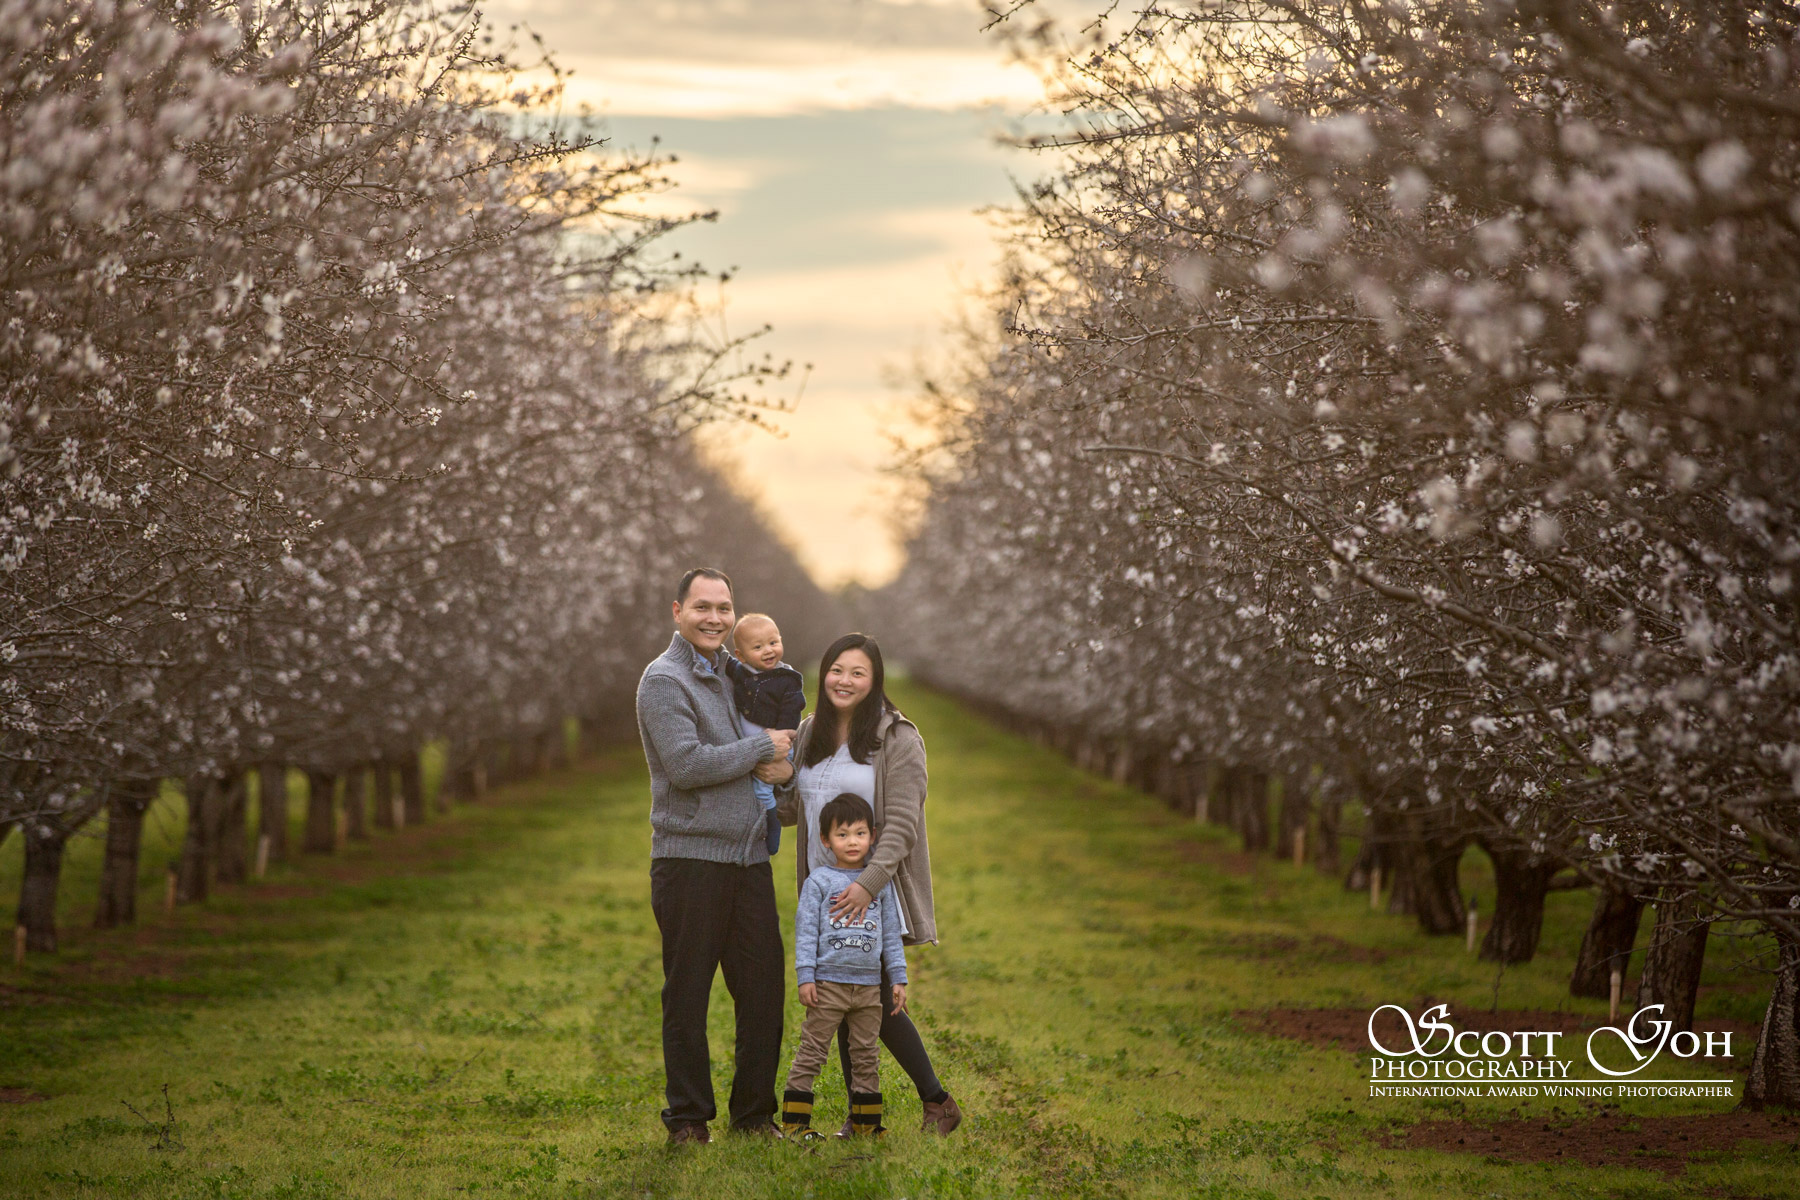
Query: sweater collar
683	650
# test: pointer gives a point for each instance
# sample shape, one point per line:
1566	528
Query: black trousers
901	1037
712	916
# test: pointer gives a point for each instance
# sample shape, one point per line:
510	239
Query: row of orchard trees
340	408
1400	400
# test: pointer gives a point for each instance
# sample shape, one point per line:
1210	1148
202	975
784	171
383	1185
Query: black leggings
901	1037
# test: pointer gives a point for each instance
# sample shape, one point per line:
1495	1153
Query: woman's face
848	681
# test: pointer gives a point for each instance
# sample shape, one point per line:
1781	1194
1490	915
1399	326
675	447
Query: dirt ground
1609	1140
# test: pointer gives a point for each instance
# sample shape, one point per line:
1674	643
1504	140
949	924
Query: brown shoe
692	1134
847	1130
941	1117
768	1129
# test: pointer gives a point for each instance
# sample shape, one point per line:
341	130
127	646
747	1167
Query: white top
819	785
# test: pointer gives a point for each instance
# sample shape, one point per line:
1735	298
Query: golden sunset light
848	149
899	599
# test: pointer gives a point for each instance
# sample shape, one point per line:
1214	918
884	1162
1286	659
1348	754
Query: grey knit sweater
701	801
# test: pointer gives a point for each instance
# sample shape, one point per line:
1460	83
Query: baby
769	695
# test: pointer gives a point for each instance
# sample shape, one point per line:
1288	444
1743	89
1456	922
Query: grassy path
471	1008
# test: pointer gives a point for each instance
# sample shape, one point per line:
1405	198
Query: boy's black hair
845	808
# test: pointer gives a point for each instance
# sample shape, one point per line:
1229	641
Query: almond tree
1448	348
343	409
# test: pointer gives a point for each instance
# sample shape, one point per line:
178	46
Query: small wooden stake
1618	985
169	892
1374	887
18	945
262	855
1474	919
1300	846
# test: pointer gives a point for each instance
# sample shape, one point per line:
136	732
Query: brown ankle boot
941	1117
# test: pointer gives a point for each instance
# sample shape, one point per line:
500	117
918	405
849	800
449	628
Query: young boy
839	967
769	694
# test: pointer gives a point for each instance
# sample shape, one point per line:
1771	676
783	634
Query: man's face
849	842
705	617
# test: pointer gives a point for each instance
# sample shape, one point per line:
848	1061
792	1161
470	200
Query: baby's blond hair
747	619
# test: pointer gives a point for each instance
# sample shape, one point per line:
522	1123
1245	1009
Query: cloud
772	57
726	32
847	145
944	80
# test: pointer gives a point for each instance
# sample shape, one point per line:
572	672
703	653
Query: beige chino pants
860	1004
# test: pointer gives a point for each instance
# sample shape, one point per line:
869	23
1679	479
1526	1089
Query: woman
856	741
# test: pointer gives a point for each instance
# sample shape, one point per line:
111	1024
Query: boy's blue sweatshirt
832	950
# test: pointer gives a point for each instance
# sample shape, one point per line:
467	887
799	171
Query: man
710	883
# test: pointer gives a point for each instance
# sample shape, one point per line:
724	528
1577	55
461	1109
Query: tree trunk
412	788
1672	963
446	789
321	818
356	820
384	794
1521	881
556	746
1611	933
524	756
231	835
1118	767
1371	854
1166	782
1425	879
1775	1067
1222	809
272	821
44	842
1251	809
1294	814
1331	820
126	803
195	867
460	758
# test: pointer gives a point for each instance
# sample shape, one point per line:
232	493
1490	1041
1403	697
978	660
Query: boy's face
850	843
759	644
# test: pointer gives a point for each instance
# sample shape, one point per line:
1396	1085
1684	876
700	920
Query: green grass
471	1008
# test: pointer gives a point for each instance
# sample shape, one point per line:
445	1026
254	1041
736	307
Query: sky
848	146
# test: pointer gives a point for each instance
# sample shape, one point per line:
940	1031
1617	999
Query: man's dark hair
865	721
687	581
845	808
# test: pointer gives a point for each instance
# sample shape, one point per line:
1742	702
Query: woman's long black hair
864	722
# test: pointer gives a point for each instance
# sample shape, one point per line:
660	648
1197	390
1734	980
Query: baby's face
759	644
